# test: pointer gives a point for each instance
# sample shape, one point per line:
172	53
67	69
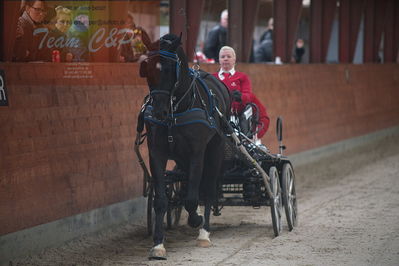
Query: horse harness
192	115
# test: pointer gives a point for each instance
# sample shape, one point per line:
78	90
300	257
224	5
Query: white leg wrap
159	247
203	239
158	252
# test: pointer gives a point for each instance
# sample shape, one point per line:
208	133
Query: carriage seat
248	120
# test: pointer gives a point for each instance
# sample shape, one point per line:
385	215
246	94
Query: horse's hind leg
158	166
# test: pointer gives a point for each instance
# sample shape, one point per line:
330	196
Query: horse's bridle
174	57
170	56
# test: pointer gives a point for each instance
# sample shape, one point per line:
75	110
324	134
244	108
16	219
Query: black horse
183	121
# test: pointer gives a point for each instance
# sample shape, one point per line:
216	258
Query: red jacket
239	81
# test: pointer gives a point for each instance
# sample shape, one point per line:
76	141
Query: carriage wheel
276	202
289	195
150	211
174	207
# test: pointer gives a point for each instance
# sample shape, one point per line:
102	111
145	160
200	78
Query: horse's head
162	69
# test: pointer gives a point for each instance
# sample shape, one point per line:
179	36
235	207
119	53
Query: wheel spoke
291	185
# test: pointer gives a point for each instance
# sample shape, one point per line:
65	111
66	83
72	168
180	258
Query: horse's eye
159	66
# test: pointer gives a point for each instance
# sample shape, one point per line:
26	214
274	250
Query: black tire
289	195
150	211
276	202
173	213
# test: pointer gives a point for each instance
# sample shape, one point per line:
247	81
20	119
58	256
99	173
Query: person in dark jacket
217	38
268	34
299	51
264	52
26	47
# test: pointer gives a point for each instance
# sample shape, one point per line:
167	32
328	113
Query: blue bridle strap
168	55
159	92
174	57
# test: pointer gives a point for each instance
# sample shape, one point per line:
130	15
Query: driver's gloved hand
236	95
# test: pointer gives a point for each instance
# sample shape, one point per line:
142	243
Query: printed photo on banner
79	31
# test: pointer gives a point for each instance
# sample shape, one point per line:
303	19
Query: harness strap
192	85
171	143
159	92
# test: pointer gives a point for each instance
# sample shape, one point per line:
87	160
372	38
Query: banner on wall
82	31
3	89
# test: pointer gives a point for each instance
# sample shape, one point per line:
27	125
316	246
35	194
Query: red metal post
396	28
389	49
380	7
250	12
178	20
349	23
286	18
322	16
235	28
329	11
316	32
280	29
369	32
194	15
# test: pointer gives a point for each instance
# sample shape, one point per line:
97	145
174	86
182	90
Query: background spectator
264	52
217	38
268	34
299	51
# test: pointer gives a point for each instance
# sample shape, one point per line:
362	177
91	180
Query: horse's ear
181	34
143	69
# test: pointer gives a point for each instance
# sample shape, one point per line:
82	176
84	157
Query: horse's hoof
203	240
158	253
196	221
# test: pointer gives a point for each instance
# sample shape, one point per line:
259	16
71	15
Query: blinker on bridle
170	56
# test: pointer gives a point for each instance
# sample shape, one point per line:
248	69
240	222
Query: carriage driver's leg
194	180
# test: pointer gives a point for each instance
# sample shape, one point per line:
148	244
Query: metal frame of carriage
253	177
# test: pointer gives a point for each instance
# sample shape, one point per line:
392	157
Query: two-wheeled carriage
251	176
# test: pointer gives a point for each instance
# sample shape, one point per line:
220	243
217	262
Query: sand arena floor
348	215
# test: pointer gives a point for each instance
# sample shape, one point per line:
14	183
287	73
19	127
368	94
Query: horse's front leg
192	196
158	166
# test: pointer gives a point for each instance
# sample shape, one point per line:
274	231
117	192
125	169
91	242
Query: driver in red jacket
240	87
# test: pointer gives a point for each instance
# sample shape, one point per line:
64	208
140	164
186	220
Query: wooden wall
67	144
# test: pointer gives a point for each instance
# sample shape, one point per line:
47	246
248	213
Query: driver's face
227	60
